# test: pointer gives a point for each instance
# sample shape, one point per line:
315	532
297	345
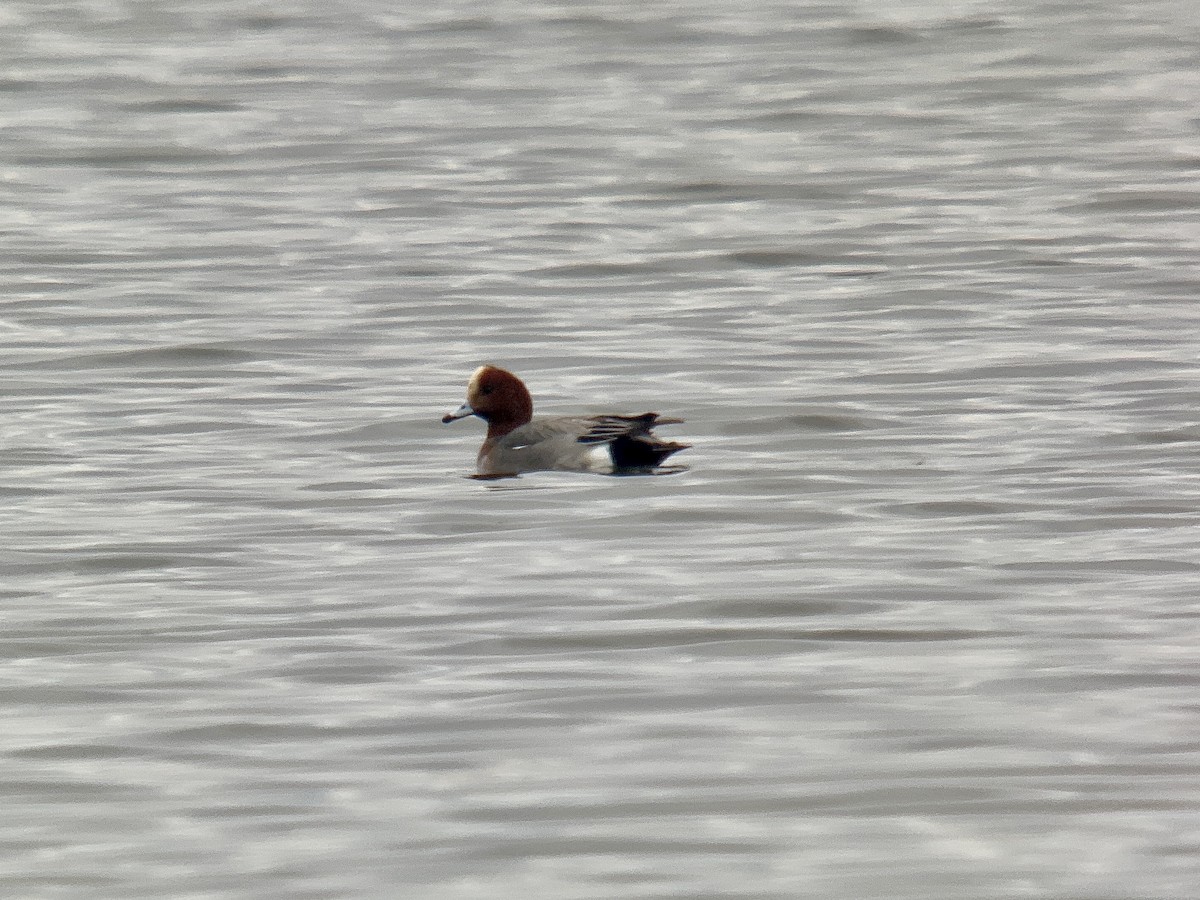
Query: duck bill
461	413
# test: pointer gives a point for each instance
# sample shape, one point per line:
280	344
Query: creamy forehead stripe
475	376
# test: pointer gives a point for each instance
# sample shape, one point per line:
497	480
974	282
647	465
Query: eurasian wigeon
516	442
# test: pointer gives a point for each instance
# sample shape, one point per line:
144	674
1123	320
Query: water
918	622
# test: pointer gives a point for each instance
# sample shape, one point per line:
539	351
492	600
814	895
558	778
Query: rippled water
918	622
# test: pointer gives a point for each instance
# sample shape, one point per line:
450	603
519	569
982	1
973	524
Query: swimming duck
517	442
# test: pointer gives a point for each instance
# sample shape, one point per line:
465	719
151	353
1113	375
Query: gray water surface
919	621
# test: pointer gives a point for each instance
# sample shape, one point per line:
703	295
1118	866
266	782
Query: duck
517	442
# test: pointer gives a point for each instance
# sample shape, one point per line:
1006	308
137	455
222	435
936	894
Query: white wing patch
599	459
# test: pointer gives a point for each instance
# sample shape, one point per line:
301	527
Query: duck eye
486	389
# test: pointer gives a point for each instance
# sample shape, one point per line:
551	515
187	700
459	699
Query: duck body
518	442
